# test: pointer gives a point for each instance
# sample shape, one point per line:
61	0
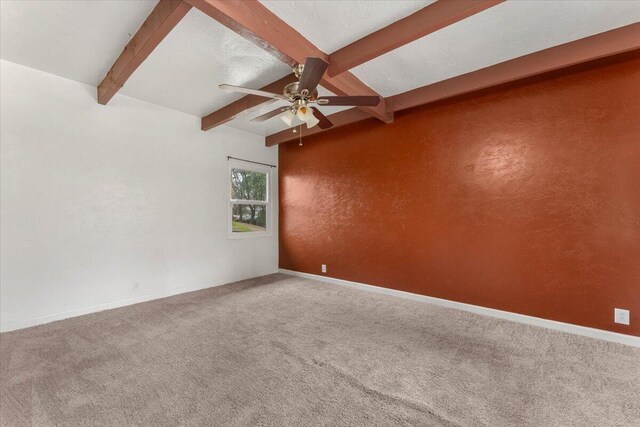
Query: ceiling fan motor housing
291	93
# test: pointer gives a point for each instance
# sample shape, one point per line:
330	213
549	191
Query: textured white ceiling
332	24
80	40
184	71
506	31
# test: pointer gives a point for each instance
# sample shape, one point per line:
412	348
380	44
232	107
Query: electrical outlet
135	287
324	268
621	316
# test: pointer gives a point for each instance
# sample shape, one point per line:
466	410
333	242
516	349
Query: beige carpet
281	351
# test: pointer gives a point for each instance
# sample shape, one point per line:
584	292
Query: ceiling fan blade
356	101
325	123
270	114
312	73
250	91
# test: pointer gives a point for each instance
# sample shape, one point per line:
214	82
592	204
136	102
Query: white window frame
239	164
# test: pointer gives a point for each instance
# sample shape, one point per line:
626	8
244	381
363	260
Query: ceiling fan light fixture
312	121
288	117
304	113
299	94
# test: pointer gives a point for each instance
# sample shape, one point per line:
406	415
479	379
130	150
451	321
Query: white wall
95	198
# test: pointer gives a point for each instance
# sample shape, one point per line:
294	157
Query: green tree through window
250	186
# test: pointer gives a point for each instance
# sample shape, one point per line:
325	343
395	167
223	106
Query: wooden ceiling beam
253	21
431	18
162	19
599	46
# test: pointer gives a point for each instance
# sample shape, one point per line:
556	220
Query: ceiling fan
303	94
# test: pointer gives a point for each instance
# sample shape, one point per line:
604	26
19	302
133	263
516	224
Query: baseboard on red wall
514	317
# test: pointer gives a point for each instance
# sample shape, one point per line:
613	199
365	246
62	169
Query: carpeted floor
280	350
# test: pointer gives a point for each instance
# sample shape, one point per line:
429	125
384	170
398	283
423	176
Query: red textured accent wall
526	200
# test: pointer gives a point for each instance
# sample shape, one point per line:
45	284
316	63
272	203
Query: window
249	203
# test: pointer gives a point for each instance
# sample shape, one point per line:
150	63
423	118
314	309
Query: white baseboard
40	320
515	317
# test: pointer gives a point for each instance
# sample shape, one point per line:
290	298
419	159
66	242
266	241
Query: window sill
248	235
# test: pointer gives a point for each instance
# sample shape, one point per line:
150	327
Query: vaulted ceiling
81	40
